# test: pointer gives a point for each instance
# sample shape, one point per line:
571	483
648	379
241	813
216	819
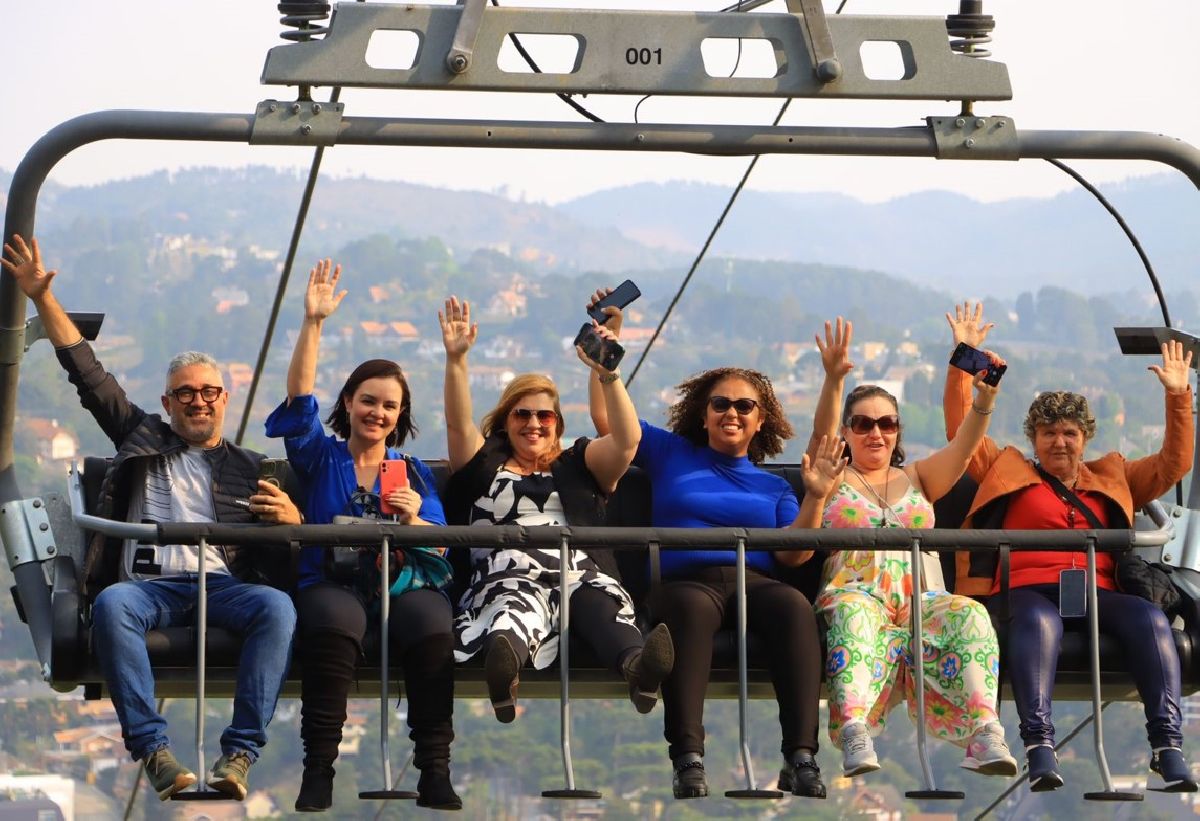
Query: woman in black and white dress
512	469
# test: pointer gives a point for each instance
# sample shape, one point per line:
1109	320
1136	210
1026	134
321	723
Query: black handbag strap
1068	496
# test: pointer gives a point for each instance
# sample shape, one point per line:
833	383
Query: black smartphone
1072	592
273	471
973	360
621	296
607	352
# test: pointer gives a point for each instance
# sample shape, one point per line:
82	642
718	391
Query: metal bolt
960	122
50	550
37	503
970	143
1166	557
306	129
295	108
316	108
980	123
459	63
272	108
43	527
641	138
1000	123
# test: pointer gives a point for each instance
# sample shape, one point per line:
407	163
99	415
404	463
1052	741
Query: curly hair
525	385
862	392
339	418
686	417
1050	407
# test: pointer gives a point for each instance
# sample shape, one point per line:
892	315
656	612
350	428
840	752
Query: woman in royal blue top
372	417
704	472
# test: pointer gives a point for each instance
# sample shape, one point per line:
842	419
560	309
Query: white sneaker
858	752
988	754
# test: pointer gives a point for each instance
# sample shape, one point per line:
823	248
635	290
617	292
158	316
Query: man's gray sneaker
166	775
231	776
858	752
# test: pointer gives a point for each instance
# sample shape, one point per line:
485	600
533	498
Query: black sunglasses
889	423
721	404
208	393
544	417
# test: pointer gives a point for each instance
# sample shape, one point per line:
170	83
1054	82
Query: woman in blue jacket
373	416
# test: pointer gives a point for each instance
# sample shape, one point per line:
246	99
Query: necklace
884	507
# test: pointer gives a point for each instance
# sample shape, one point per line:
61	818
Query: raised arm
596	406
1150	477
941	469
608	457
835	359
25	264
463	438
966	325
321	299
822	472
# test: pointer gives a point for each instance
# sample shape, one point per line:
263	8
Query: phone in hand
273	471
605	352
393	475
973	360
621	296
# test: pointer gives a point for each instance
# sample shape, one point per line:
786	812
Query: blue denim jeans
122	615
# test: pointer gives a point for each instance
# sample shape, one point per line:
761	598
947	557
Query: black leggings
694	609
332	621
594	619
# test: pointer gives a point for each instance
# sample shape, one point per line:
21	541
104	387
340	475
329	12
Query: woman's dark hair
339	418
870	392
686	416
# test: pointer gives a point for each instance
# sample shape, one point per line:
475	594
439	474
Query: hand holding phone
273	471
972	360
605	352
621	296
393	476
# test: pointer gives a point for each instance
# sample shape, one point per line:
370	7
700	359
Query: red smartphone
393	475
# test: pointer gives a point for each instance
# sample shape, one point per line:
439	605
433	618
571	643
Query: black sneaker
1176	776
689	780
1043	769
805	777
165	774
501	669
646	668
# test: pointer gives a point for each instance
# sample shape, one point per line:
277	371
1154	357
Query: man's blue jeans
265	618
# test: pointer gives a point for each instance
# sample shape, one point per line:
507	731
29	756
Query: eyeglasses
721	404
889	423
544	417
186	395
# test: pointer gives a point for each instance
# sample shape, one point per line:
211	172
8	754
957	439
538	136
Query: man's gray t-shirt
174	488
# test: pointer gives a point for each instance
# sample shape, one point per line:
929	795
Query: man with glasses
178	469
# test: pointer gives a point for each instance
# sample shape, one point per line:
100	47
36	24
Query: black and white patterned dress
518	590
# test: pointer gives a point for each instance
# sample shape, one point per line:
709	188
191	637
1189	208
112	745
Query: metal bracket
826	65
470	16
975	138
296	123
25	530
12	344
638	52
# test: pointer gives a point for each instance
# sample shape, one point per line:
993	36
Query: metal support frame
202	792
385	755
564	676
743	697
1109	793
916	652
639	52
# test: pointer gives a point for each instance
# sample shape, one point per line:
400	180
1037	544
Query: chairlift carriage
618	52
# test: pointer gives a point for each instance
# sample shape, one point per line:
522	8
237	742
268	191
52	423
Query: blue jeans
265	618
1141	628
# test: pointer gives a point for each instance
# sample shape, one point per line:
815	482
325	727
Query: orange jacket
1001	472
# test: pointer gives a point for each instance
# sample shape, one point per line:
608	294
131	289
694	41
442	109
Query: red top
1038	507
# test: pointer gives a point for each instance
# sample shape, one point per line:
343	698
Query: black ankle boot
501	669
689	780
316	789
805	775
435	791
645	669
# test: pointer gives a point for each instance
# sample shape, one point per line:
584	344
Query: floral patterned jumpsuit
865	599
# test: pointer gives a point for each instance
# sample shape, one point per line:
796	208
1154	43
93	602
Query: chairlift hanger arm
639	52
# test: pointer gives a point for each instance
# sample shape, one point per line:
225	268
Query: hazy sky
1075	64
